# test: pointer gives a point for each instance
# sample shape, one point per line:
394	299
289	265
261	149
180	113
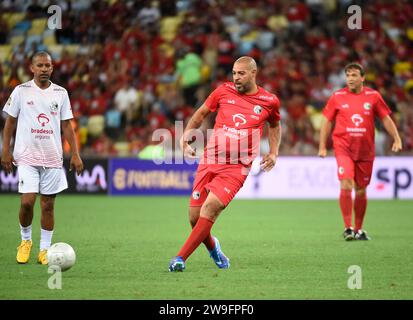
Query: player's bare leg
360	205
47	207
194	213
346	206
212	207
347	184
47	225
27	202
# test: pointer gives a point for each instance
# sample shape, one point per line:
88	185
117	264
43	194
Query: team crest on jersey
196	195
54	107
340	170
257	109
367	106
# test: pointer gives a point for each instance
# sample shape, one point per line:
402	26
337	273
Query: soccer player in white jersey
41	110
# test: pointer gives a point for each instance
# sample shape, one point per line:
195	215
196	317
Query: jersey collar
361	92
38	88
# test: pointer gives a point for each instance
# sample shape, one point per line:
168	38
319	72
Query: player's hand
76	163
187	149
397	145
7	161
268	162
322	152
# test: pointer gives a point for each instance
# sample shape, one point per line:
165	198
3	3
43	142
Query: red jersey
239	123
354	114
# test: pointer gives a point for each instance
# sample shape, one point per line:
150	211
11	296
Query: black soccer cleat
348	234
361	235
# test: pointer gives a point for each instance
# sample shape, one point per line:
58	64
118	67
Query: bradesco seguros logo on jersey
43	119
357	119
239	119
42	133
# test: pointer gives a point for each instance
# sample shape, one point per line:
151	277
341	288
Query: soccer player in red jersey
354	109
242	109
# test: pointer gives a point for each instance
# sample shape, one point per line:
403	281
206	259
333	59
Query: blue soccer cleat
218	256
177	264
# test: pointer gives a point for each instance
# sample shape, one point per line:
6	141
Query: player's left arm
274	137
69	134
383	112
392	130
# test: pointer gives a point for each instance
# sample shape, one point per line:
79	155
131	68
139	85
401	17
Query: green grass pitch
278	250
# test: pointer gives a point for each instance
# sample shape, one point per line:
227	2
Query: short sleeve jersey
39	113
354	116
239	123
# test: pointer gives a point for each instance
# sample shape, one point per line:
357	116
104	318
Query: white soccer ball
61	255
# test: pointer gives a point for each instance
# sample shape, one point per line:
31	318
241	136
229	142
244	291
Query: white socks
26	232
45	239
45	236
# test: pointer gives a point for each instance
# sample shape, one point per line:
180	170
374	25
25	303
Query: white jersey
39	112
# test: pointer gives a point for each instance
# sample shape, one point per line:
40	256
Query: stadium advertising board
292	178
94	178
8	182
143	177
316	178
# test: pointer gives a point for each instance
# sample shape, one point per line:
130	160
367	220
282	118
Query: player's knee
360	192
193	221
47	207
27	206
193	215
211	209
346	184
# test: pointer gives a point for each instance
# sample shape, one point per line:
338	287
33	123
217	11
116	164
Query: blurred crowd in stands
132	67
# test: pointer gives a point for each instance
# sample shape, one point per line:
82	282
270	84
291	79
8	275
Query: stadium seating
288	57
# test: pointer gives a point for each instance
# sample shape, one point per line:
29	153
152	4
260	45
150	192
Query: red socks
199	234
360	204
209	242
346	206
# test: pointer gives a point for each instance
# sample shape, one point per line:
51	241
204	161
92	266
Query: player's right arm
12	108
329	113
6	155
325	131
194	123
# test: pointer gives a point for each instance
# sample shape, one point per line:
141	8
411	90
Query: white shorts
41	180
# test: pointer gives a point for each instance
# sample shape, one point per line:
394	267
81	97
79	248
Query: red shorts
223	180
359	171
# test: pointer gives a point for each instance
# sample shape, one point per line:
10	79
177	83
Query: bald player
242	109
